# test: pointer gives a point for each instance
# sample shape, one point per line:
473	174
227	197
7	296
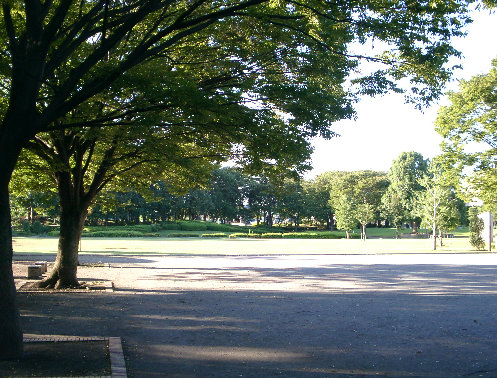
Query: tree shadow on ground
439	321
409	279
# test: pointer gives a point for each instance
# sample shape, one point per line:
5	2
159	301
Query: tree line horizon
343	200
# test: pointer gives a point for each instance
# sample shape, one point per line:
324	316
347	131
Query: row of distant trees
412	193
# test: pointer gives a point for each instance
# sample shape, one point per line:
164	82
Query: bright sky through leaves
385	126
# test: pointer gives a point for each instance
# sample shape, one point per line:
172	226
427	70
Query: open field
172	246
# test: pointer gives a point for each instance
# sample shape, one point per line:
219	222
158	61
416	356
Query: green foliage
183	235
476	226
38	228
470	137
313	235
345	213
405	175
271	235
243	235
436	205
212	226
192	226
26	226
170	226
215	235
118	234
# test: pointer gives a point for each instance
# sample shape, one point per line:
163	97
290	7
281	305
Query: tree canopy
470	136
63	60
405	177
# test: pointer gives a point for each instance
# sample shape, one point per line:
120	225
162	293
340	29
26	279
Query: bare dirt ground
296	316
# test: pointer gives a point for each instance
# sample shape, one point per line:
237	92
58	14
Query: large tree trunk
64	272
73	211
11	344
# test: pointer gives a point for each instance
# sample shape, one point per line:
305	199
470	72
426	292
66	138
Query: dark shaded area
407	320
68	358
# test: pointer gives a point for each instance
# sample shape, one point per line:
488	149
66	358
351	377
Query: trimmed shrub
53	233
244	235
170	226
192	226
216	235
182	235
26	226
272	235
476	226
211	226
152	235
115	234
38	228
300	235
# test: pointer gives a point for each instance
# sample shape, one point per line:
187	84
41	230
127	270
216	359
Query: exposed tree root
54	281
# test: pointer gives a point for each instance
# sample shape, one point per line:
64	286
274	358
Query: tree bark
73	211
434	236
11	344
64	272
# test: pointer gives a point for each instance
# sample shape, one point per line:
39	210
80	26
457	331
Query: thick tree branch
9	27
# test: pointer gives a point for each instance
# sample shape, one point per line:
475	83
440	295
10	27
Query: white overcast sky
385	126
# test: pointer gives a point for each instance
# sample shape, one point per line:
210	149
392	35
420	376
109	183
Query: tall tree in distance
287	57
405	177
436	204
470	137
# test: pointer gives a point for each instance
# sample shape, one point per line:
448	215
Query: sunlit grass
200	246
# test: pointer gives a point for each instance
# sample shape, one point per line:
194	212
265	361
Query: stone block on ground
34	271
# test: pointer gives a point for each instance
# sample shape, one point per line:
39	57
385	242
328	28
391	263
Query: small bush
152	235
476	226
300	235
272	235
53	233
192	226
244	235
38	228
26	226
211	226
115	234
170	226
182	235
216	235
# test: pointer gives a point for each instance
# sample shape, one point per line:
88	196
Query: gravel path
416	315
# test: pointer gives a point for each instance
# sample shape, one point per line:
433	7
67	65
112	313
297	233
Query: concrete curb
116	355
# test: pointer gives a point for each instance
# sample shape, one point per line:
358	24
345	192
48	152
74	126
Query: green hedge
312	235
244	235
170	226
182	235
115	234
192	226
300	235
272	235
216	235
211	226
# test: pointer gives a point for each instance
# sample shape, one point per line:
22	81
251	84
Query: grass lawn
200	246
